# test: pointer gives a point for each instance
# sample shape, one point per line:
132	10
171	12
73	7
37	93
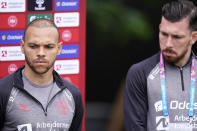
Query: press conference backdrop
68	15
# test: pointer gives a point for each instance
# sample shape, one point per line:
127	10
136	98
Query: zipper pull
45	113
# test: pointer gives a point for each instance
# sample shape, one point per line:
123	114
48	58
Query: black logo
40	5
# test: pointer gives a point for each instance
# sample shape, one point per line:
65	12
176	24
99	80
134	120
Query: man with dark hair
160	90
35	97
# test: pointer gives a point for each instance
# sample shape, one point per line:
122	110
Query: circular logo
12	21
12	68
58	4
62	107
3	37
66	35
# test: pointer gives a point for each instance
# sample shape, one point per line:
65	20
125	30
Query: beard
176	58
33	68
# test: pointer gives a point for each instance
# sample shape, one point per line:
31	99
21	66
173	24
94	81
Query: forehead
43	33
179	27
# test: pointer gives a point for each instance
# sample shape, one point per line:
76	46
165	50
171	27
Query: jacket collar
18	81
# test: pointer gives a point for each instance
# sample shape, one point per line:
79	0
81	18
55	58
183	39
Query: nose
169	42
41	52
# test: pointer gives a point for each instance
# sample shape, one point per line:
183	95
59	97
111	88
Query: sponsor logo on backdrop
8	67
67	66
39	5
11	53
70	19
69	51
11	37
3	5
69	35
32	17
11	21
12	5
66	35
12	68
4	53
65	5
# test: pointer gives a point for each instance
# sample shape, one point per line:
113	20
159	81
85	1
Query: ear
59	46
22	46
194	37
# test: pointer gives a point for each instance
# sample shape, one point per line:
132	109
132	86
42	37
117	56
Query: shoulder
144	67
6	85
62	83
72	88
76	96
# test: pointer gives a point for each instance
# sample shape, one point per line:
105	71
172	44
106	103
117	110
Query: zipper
45	111
52	99
182	81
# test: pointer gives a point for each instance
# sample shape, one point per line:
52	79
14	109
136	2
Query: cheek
161	44
29	54
183	43
161	41
52	55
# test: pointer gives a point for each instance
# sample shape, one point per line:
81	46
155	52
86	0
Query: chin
41	70
170	59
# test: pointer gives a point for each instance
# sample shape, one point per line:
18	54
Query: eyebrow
179	35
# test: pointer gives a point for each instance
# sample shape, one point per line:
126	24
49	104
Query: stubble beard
34	69
176	59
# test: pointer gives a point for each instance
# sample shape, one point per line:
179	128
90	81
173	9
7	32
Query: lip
168	53
41	62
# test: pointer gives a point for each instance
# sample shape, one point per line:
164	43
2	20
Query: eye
33	46
164	34
49	46
177	36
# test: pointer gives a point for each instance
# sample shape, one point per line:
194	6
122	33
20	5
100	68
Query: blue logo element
11	37
66	5
69	51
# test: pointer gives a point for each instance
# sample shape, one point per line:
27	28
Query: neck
39	79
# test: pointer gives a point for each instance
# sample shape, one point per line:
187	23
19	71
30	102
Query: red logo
4	53
24	108
3	4
58	19
12	68
5	65
58	67
62	107
66	35
12	21
69	35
